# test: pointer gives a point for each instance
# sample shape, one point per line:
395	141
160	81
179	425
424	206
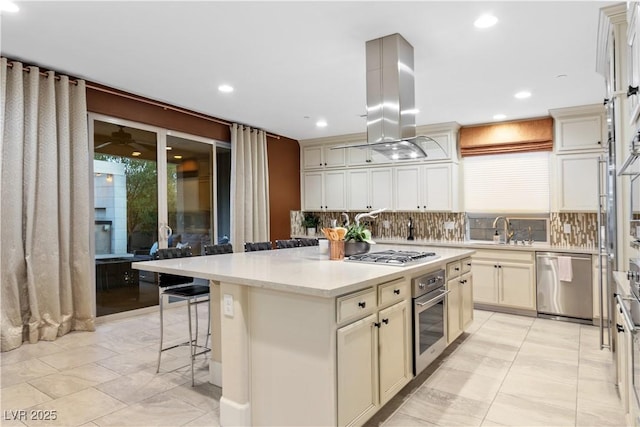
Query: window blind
512	183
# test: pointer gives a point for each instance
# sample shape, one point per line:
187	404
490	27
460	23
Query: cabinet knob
456	268
499	266
495	266
619	327
396	291
385	321
376	324
469	264
461	282
362	304
599	142
633	90
325	164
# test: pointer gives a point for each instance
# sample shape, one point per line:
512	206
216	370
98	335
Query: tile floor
505	371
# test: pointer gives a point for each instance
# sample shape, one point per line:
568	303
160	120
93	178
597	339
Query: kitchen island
277	323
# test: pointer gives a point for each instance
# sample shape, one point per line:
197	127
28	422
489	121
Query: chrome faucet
508	234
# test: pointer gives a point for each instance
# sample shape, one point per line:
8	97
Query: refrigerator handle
601	196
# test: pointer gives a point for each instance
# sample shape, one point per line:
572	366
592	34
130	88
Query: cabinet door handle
396	291
376	324
385	321
468	264
362	304
633	90
619	327
456	268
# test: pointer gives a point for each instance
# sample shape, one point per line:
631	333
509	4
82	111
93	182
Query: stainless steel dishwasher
564	286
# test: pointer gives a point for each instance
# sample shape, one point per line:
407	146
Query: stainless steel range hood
391	112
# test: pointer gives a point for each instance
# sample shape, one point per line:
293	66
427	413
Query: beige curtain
45	259
249	186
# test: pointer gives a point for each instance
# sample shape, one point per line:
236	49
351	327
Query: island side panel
215	365
293	359
235	406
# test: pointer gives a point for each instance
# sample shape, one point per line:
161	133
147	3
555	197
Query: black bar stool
307	241
291	243
182	288
257	246
224	248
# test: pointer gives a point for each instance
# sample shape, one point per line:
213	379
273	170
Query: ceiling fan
120	137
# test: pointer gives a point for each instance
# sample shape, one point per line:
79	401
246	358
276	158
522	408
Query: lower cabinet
504	278
459	299
374	361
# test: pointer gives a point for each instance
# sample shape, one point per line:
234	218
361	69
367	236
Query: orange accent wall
284	184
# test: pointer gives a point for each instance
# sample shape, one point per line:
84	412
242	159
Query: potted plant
311	222
357	240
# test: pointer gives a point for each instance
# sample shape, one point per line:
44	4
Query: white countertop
299	270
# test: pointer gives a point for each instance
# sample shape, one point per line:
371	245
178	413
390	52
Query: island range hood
391	112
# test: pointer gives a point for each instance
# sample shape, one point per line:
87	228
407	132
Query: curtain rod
145	100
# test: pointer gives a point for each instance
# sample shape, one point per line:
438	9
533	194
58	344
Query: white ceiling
293	63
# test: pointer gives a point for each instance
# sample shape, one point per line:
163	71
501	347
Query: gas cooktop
392	257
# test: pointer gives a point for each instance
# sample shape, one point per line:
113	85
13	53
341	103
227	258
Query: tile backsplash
451	226
583	232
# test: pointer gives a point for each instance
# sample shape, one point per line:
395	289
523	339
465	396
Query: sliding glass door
153	188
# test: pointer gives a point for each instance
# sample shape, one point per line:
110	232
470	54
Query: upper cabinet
318	157
579	129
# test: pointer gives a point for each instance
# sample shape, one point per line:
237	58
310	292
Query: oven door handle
436	299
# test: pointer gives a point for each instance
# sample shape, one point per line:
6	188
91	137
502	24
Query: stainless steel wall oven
429	318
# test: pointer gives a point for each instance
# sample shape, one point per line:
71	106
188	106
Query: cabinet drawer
453	269
354	305
504	255
393	291
466	265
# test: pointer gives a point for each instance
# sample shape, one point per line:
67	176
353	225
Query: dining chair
290	243
182	288
257	246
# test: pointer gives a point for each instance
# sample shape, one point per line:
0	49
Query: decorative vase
311	231
351	247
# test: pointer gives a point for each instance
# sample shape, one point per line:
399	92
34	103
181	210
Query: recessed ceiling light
8	6
177	157
225	88
485	21
321	124
499	117
136	153
522	94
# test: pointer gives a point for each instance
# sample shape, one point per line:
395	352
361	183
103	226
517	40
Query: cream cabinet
579	129
324	190
504	278
432	187
624	342
358	395
321	156
365	156
369	188
459	299
374	353
576	187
